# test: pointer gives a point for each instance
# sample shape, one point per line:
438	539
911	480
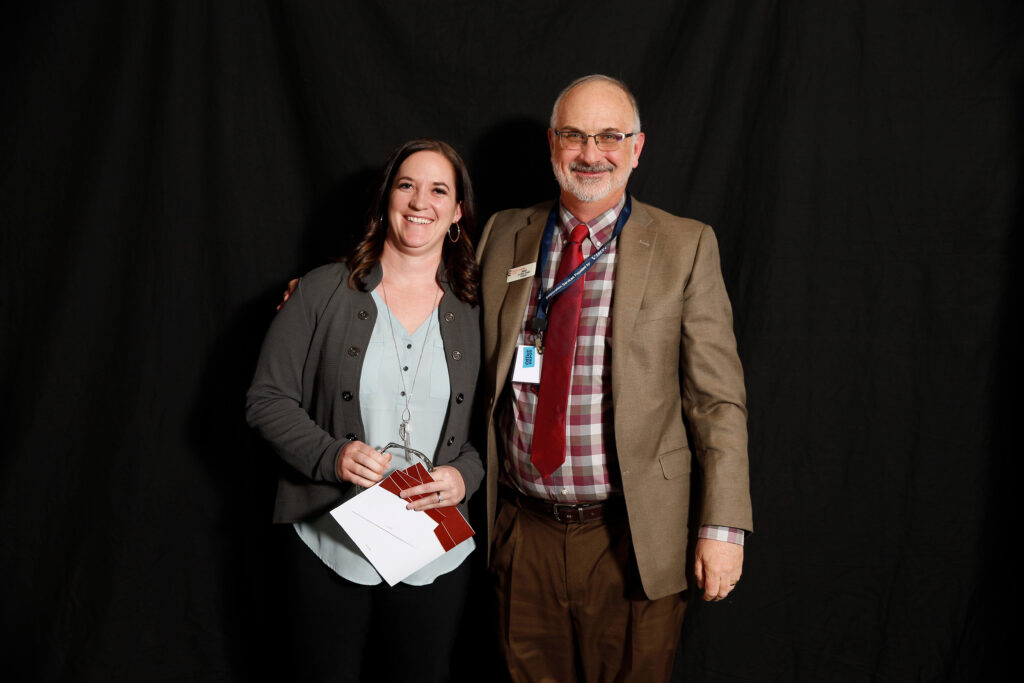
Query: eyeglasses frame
621	138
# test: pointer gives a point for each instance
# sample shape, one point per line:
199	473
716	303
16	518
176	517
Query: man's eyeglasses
606	142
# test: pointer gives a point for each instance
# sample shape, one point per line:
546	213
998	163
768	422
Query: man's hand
292	284
718	565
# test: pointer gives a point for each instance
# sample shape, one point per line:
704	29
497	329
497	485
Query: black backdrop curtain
166	167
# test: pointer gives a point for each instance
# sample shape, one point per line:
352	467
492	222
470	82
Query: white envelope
395	540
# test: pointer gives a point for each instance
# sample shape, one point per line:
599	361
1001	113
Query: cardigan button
460	398
346	395
351	437
451	440
449	316
363	315
353	351
457	355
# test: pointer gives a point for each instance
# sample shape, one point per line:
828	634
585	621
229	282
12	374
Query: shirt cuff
722	533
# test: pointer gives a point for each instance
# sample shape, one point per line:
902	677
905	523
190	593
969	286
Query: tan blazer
673	354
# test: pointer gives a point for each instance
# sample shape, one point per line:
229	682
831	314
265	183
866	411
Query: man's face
590	174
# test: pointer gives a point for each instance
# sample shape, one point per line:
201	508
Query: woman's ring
439	497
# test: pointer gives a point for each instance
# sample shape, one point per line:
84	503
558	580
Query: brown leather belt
566	513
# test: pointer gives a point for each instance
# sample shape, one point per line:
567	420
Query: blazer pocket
659	311
675	463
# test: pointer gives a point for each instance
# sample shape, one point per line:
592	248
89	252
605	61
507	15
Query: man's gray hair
590	79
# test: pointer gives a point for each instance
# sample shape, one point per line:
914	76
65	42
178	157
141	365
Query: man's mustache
588	168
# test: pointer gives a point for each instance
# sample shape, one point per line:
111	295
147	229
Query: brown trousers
570	603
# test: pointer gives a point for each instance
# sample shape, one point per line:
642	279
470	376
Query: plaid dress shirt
588	473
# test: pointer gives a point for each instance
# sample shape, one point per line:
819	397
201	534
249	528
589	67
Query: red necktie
548	452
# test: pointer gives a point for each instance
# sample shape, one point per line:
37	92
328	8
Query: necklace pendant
403	431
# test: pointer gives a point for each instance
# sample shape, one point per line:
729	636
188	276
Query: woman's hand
446	490
361	465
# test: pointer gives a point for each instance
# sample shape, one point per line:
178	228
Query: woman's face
422	204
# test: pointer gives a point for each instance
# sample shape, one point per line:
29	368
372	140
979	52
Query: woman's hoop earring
458	232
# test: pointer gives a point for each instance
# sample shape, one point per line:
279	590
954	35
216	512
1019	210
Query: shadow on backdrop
243	466
511	167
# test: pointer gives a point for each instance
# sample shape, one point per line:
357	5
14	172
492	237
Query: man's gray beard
586	192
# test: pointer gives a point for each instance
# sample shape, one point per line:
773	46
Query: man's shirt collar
601	227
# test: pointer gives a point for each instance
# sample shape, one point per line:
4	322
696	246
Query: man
589	459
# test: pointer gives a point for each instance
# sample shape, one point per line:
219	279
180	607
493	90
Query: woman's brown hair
458	257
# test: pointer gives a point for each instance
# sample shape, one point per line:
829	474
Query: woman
383	348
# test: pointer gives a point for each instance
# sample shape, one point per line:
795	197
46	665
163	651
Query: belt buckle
558	508
568	513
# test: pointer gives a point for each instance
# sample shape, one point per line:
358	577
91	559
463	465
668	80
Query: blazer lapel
636	249
525	251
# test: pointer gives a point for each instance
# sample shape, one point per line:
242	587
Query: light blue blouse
381	405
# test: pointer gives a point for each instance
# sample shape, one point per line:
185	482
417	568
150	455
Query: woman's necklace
403	428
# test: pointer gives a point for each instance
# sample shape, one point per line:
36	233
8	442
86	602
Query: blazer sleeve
714	398
275	400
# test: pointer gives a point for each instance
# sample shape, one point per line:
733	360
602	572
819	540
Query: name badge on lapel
521	272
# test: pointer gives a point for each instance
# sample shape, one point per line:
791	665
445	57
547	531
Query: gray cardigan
304	397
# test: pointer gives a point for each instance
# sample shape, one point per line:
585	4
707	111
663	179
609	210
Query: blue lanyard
539	322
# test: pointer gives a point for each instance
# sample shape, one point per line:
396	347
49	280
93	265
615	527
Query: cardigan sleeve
274	402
